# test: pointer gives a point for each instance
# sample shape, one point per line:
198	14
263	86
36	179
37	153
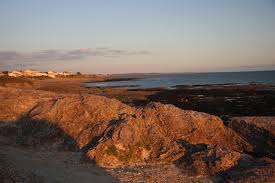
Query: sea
172	80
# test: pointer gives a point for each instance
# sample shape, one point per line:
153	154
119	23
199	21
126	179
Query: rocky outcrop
15	103
110	132
250	170
153	135
204	160
114	134
258	131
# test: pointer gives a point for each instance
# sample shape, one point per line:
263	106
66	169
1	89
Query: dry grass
6	79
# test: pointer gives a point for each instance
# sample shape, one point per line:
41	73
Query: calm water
170	80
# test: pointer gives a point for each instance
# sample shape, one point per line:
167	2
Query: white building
66	73
32	73
15	74
52	74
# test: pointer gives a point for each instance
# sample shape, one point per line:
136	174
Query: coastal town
35	73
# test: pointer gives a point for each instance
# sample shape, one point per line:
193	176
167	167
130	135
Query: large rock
208	161
111	132
250	170
258	131
153	135
15	102
82	118
114	134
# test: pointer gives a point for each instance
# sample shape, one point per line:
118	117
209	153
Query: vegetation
112	150
127	156
140	144
7	79
120	97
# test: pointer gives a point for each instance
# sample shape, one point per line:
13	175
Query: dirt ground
52	166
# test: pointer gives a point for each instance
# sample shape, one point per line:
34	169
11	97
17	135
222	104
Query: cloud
8	55
108	52
59	54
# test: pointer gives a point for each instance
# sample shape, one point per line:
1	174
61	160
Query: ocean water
171	80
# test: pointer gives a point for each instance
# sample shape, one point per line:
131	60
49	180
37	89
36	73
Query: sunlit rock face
258	131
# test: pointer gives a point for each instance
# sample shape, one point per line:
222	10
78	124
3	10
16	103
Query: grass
140	144
119	97
112	150
128	156
8	79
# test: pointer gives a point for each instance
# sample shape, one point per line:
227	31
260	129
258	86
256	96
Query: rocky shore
152	142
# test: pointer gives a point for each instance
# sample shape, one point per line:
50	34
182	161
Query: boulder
250	170
15	102
153	133
209	161
110	132
258	131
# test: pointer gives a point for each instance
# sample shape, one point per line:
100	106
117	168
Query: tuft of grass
120	97
112	150
128	156
140	144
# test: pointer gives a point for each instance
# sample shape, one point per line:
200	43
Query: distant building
15	74
66	73
33	73
52	74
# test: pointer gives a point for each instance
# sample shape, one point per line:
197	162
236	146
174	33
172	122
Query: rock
44	116
114	134
250	170
209	161
225	165
151	135
15	103
82	118
258	131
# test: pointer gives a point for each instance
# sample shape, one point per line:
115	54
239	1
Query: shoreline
171	81
218	99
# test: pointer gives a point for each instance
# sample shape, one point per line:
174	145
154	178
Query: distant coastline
204	72
170	80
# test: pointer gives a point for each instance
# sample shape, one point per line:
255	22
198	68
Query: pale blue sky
111	36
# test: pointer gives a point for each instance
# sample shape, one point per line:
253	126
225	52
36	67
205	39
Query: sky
126	36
